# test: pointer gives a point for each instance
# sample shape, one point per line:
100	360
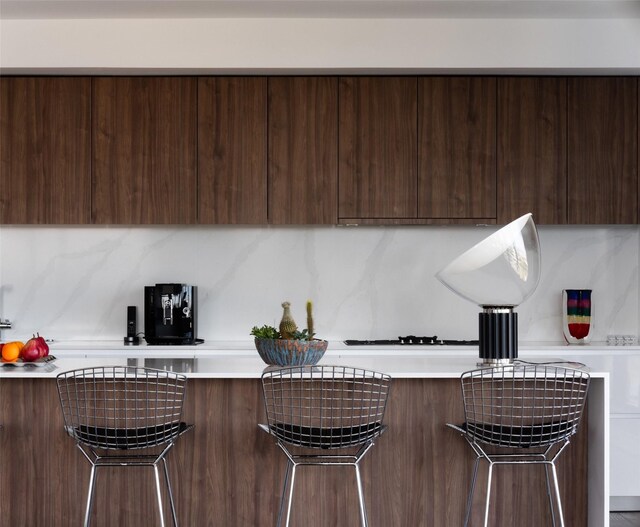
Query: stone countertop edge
72	347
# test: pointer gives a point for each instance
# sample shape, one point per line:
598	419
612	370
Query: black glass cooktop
412	340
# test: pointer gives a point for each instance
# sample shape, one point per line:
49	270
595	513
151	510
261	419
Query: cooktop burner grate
412	340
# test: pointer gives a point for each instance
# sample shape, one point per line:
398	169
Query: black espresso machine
170	314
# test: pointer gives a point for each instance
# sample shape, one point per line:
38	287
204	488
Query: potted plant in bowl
287	346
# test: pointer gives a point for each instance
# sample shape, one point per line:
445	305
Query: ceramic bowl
283	352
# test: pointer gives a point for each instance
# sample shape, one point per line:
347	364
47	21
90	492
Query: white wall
366	282
321	44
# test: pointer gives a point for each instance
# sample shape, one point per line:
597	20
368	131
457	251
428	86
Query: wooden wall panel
144	150
603	150
232	150
378	149
532	149
457	147
228	473
303	150
45	150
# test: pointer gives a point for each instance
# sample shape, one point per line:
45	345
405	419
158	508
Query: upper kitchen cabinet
457	147
532	149
232	150
144	150
44	150
603	150
378	148
303	150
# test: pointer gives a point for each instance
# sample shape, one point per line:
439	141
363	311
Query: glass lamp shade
501	270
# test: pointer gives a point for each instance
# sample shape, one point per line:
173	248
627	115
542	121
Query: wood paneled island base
228	473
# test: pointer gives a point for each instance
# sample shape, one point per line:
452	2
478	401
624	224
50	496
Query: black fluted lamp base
498	335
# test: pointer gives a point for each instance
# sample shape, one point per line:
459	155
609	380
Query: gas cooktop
412	340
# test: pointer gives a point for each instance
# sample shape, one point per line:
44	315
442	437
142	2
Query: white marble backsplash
73	283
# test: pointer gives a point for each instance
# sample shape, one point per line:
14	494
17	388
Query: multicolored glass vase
577	315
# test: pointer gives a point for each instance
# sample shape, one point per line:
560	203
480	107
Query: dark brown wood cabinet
457	147
378	147
532	149
226	472
45	150
319	150
603	150
303	150
144	150
232	150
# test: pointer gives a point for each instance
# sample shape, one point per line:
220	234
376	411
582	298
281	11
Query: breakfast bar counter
226	472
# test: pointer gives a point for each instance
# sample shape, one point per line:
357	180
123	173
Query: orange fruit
11	351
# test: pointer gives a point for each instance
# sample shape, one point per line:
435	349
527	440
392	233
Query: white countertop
239	359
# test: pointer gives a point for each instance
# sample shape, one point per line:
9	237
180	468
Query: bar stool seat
327	408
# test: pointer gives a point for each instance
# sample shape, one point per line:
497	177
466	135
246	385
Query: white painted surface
74	283
625	456
320	44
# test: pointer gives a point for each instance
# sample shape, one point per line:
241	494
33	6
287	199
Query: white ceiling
521	9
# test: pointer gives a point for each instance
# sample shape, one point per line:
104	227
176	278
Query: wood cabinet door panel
232	150
603	150
303	150
378	147
45	150
144	150
457	155
532	149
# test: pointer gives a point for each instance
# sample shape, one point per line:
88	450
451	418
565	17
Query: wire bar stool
325	408
533	408
124	416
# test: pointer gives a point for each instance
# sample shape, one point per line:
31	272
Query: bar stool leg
551	508
284	492
159	494
486	508
363	510
471	491
92	482
555	481
293	475
166	477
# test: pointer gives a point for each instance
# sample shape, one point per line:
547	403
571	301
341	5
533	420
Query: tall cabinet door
144	150
457	154
532	149
44	150
378	147
303	150
232	150
603	150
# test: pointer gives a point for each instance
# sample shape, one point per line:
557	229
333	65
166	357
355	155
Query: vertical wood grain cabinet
45	150
603	150
378	147
319	150
457	147
232	150
532	149
303	142
144	150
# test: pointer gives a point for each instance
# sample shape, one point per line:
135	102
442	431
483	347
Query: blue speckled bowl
282	352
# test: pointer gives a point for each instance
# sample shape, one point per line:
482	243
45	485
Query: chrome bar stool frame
527	406
110	410
324	408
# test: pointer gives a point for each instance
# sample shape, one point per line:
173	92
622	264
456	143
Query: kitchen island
228	473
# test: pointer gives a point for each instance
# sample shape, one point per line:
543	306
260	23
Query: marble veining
74	283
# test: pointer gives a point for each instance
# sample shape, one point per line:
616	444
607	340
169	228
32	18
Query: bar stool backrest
325	406
523	406
122	407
